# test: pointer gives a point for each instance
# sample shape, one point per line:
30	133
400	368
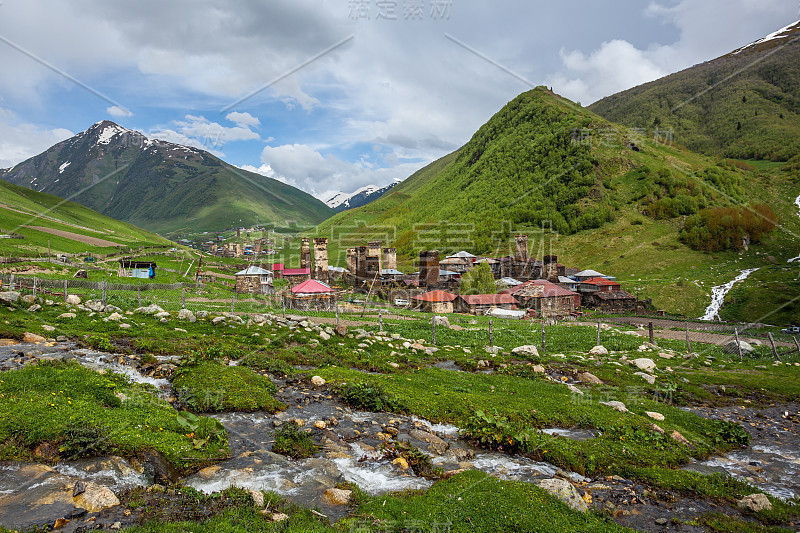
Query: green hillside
614	204
163	187
22	209
743	105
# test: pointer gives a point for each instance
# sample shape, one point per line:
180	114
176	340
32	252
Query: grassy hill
606	199
65	227
163	187
743	105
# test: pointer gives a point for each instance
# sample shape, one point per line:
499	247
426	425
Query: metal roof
589	274
435	296
488	299
461	255
312	286
391	272
253	271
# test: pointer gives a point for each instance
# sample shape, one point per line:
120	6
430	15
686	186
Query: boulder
115	317
676	436
617	406
324	336
186	314
72	299
441	321
9	297
33	337
337	497
34	308
588	377
528	350
755	503
157	467
217	320
95	498
67	315
317	381
258	498
598	350
539	369
649	378
644	363
655	416
202	314
94	305
341	330
28	299
730	347
151	309
162	314
48	328
564	491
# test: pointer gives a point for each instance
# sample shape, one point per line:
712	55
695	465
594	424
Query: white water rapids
719	292
797	203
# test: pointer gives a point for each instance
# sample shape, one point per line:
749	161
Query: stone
202	314
162	314
679	438
341	330
598	350
115	317
48	328
401	463
755	503
574	390
618	406
587	377
494	350
441	321
320	424
644	363
125	326
34	308
337	497
657	428
94	305
157	467
217	320
730	347
324	336
258	498
393	365
96	498
9	297
116	525
649	378
78	489
61	522
564	491
186	314
67	315
33	337
27	299
539	369
279	517
72	299
661	521
655	416
317	381
528	350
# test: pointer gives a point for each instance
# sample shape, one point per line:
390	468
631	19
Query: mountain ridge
343	201
162	186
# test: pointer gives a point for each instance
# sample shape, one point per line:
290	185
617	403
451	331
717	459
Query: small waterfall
718	294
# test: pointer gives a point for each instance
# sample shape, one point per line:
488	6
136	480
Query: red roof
549	289
601	282
312	286
277	266
296	271
435	296
489	299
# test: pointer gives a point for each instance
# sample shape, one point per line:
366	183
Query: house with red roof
546	298
435	302
481	304
311	295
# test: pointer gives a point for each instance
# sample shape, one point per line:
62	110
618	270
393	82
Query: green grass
292	441
213	387
45	402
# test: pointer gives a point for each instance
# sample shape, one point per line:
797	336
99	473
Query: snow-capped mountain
343	201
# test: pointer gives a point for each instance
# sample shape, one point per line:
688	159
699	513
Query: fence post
797	344
337	313
688	340
233	301
650	330
544	343
11	283
65	290
105	284
433	326
738	346
772	343
183	297
34	286
380	319
491	334
598	334
139	294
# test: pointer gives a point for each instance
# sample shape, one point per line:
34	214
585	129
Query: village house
311	295
295	276
481	304
547	299
254	280
132	268
459	262
616	301
585	275
440	302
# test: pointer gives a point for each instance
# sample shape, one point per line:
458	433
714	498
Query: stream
797	203
719	292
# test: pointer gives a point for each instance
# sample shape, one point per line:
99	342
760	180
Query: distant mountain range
161	186
344	201
743	105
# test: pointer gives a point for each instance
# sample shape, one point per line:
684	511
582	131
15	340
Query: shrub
369	397
291	441
100	343
498	433
83	439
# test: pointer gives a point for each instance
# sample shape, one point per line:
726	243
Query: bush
100	343
83	439
291	441
369	397
498	433
725	228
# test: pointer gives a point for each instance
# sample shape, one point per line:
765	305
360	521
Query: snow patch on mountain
772	36
63	167
343	198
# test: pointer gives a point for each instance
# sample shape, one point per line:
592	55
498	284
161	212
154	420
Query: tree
478	280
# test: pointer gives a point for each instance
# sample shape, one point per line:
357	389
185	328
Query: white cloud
117	111
20	141
244	120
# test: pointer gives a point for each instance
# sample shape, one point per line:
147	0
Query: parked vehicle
400	302
791	330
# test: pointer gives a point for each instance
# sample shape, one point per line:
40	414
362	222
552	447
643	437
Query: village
526	287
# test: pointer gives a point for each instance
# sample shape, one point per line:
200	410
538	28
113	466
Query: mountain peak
792	30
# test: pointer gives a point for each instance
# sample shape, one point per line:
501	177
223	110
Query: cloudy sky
333	95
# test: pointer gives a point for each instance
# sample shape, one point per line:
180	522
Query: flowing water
719	292
797	203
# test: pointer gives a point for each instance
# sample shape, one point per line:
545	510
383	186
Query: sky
334	95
